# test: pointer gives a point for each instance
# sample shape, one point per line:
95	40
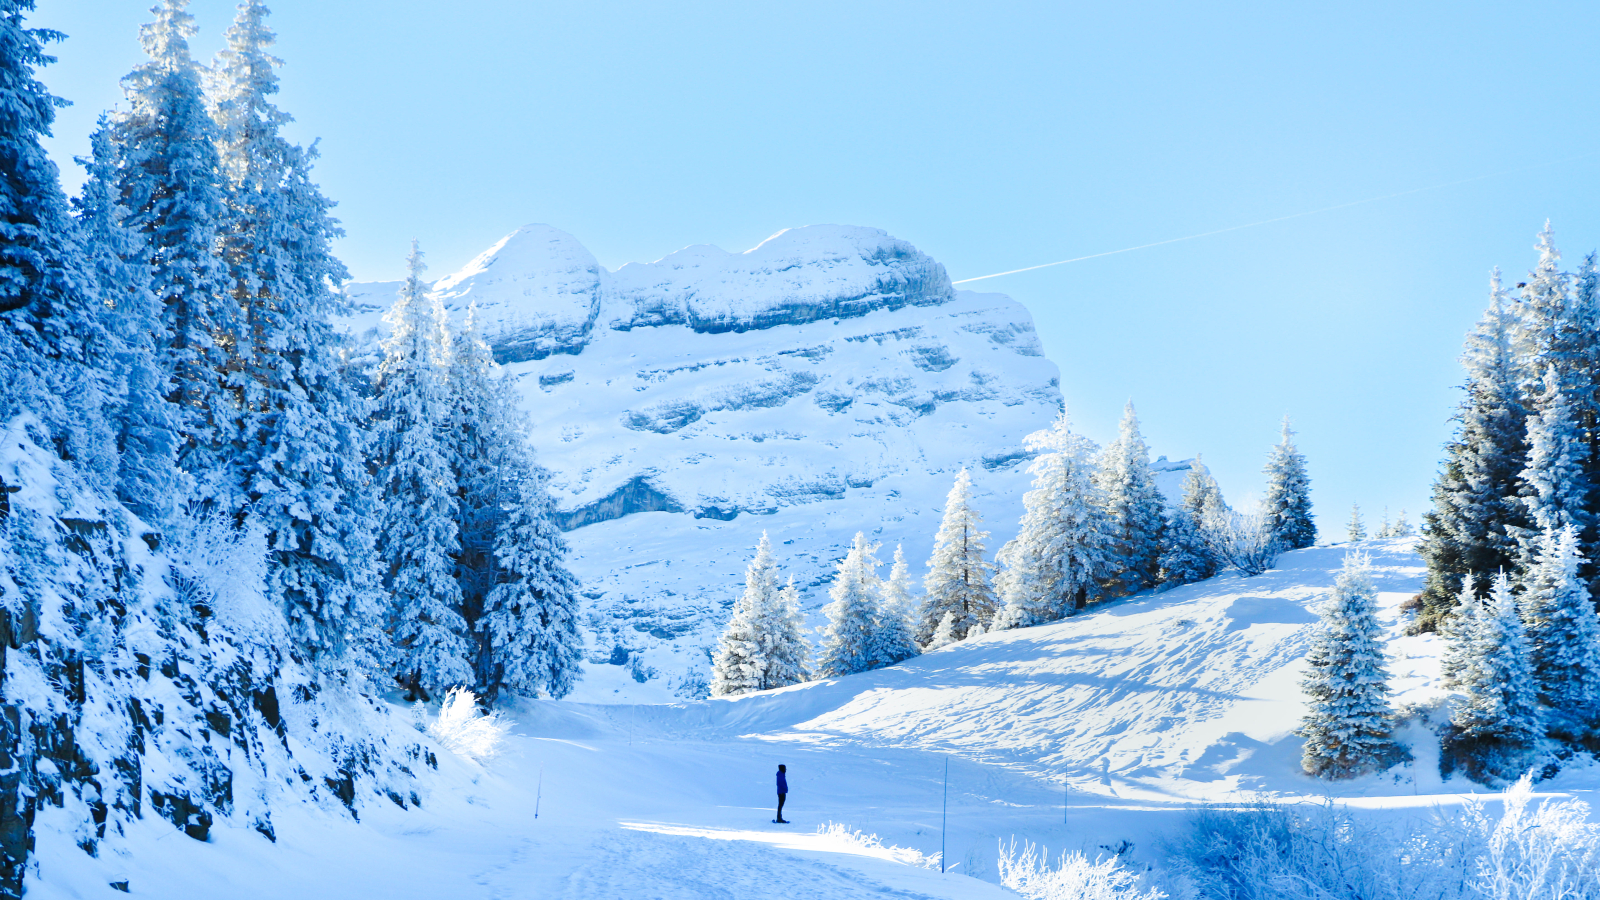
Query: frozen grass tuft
869	843
1074	877
464	731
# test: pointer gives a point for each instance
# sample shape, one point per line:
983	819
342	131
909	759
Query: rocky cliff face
827	381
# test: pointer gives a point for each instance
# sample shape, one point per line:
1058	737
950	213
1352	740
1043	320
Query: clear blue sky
993	137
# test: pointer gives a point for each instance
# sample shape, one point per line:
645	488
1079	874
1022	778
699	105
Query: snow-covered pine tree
1348	726
146	425
53	343
958	576
301	443
1563	631
740	663
1354	529
170	181
529	620
1287	504
847	643
788	652
1064	548
944	635
1458	630
418	535
1187	553
1555	489
1384	529
892	640
1476	512
1135	512
1401	526
1494	733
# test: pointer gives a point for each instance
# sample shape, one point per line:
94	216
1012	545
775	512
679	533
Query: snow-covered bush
463	730
862	842
1544	850
1244	541
1074	877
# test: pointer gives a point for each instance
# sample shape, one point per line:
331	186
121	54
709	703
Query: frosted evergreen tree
170	181
1065	545
418	537
53	343
958	576
783	631
1401	526
892	638
1555	488
1495	732
146	425
1187	553
1459	631
944	635
1476	513
301	445
847	643
1354	529
1135	512
1348	726
740	663
529	620
1287	504
1563	631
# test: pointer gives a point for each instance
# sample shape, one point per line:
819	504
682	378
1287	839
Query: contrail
1298	215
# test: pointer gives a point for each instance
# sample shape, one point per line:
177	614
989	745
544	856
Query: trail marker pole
944	815
540	795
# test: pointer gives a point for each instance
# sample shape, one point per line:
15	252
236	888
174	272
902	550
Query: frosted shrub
462	730
1074	877
1530	851
860	840
1244	541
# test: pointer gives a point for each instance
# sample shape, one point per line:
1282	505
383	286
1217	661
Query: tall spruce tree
301	445
740	663
1494	733
1476	513
958	576
847	643
1134	508
788	652
146	425
170	182
529	621
418	537
53	343
1563	631
1554	482
1287	504
1066	544
1188	553
1349	724
892	638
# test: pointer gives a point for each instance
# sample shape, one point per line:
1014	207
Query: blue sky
993	136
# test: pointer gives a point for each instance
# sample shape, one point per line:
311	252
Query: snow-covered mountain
826	381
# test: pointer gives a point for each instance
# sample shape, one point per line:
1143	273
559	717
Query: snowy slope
1081	734
827	381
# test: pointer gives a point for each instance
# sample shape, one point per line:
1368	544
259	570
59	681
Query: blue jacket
783	785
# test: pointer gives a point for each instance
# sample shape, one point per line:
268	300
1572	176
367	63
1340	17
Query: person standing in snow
783	791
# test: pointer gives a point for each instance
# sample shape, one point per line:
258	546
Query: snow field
1077	736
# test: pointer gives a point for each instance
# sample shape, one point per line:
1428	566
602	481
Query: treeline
172	328
1095	527
1508	545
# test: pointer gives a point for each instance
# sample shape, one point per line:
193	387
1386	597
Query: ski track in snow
1077	735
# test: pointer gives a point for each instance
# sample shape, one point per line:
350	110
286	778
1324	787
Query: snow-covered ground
1082	734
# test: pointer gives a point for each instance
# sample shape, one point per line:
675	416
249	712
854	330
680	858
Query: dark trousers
780	806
